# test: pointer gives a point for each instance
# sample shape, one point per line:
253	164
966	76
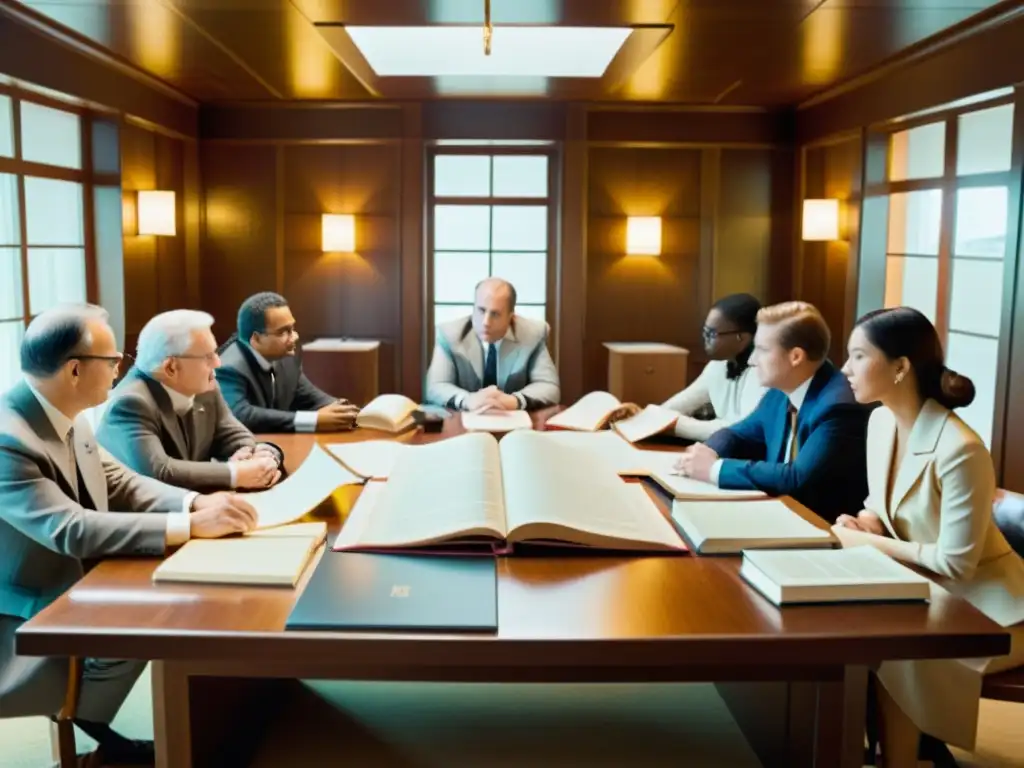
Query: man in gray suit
63	500
261	374
493	359
168	420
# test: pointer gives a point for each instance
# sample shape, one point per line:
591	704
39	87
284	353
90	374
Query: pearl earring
899	378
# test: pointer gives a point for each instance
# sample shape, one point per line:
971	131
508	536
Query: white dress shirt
178	524
732	399
182	404
305	421
485	348
796	399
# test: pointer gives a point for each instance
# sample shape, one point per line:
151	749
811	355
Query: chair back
1008	511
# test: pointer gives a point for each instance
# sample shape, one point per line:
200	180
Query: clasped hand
696	462
490	399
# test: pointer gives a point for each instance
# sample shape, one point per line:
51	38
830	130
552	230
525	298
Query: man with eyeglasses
262	380
168	420
63	501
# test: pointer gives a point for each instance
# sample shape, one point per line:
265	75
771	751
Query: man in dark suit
168	420
261	377
807	437
63	501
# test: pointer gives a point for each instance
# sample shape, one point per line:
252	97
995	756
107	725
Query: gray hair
55	335
168	334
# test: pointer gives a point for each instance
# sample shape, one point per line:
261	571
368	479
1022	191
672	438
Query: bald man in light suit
63	500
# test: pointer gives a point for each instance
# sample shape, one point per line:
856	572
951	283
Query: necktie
185	422
273	388
72	462
791	453
491	367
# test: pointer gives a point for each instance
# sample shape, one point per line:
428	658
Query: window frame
85	176
548	149
874	226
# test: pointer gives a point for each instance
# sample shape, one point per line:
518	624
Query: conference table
794	679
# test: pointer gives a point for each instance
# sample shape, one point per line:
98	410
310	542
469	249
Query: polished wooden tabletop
554	610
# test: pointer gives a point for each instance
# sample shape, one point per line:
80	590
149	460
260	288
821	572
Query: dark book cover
381	592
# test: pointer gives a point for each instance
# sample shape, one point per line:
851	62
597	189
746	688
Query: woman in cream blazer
930	492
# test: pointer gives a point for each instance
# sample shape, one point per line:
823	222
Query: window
490	218
947	239
43	252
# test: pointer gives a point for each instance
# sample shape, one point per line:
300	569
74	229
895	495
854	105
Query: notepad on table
858	574
272	557
496	421
729	527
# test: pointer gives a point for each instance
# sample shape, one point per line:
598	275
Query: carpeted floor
396	725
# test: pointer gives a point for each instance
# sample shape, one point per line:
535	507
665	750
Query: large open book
831	576
470	491
592	411
389	413
274	557
729	527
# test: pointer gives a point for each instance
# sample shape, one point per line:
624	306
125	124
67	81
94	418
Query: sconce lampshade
338	233
643	236
156	214
821	220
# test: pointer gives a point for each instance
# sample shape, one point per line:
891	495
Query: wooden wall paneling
1008	426
172	285
141	268
784	221
571	281
296	122
412	205
357	294
238	240
192	217
108	221
494	120
641	298
710	191
744	222
735	126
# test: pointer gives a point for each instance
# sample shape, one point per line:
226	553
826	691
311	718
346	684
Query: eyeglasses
285	332
114	361
711	334
208	358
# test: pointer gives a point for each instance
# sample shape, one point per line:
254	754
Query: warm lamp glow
643	236
156	214
339	233
821	220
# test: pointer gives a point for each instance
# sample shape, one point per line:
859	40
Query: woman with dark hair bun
930	492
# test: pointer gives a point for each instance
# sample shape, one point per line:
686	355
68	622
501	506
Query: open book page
555	493
651	421
312	530
731	526
588	414
391	413
318	477
371	458
660	467
442	491
496	421
607	446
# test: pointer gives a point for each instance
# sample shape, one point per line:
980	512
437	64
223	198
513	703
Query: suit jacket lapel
474	352
880	453
258	376
920	448
89	465
510	349
167	415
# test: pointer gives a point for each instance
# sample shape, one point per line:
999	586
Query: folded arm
544	388
744	438
230	435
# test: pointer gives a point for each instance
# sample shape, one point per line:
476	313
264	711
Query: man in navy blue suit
807	437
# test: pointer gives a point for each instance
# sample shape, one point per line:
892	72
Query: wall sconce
643	236
155	213
338	232
821	220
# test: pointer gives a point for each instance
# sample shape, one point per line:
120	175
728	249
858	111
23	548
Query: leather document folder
380	592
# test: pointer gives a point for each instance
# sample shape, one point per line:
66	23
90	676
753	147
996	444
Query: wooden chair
62	735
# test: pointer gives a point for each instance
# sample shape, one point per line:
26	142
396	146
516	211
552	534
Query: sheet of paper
370	459
652	420
318	477
341	345
496	421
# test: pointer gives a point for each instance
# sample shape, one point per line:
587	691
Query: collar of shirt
496	344
798	395
61	423
181	404
261	361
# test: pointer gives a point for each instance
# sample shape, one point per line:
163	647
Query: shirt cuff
716	468
179	526
233	469
305	421
274	450
522	400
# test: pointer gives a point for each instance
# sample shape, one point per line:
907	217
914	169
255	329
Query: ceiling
729	52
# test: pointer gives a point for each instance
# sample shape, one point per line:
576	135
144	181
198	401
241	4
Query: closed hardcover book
379	592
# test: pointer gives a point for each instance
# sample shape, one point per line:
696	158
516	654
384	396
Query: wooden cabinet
344	367
644	373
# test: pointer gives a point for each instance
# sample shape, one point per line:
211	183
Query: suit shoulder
531	332
958	437
452	331
231	357
131	388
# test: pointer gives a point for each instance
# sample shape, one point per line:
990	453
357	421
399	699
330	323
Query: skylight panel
448	51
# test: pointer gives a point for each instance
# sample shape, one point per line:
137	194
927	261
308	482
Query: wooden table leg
813	724
210	722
